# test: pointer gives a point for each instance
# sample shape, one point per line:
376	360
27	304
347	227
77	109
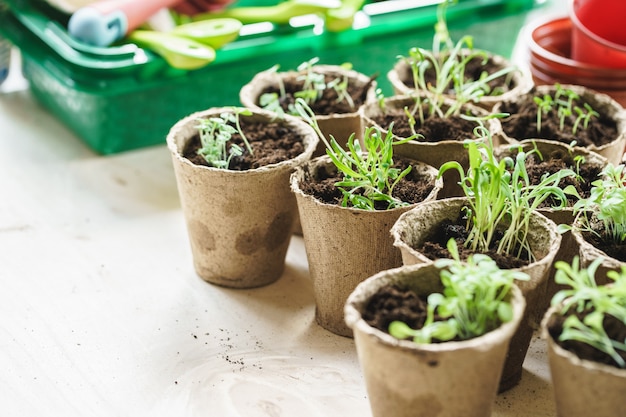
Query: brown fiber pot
583	388
588	253
239	222
417	225
522	82
405	379
345	245
568	247
338	125
603	104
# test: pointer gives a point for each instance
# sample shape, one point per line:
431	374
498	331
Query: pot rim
309	135
295	178
540	26
401	243
248	97
570	356
364	291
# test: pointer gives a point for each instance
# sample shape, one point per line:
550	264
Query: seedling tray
124	97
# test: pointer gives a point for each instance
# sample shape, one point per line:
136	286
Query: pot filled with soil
418	361
567	114
495	78
599	227
544	157
347	203
232	169
586	329
422	234
457	70
334	93
497	217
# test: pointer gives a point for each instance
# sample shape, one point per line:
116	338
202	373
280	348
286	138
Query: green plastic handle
278	14
178	51
213	32
342	18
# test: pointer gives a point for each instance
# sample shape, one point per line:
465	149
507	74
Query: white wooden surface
101	313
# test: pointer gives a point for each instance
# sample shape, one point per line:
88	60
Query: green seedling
501	197
314	83
369	176
448	60
313	86
582	295
215	135
475	300
607	203
340	85
563	103
544	106
271	101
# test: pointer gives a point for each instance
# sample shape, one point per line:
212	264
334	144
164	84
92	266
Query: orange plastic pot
550	44
598	35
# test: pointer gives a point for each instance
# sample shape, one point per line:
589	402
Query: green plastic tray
124	97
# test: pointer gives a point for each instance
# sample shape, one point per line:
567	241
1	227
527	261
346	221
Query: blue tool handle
96	27
5	58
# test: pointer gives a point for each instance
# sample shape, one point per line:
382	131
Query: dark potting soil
551	164
435	247
271	143
391	303
473	70
411	189
434	129
329	102
614	250
522	124
614	328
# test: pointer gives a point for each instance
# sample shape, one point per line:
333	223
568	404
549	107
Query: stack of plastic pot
588	47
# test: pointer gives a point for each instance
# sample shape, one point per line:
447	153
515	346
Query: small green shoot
313	86
475	300
582	295
607	203
215	135
449	60
563	103
501	197
369	176
314	82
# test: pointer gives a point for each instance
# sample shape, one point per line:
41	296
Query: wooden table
102	314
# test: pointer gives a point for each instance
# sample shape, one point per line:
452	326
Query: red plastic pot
550	44
598	35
